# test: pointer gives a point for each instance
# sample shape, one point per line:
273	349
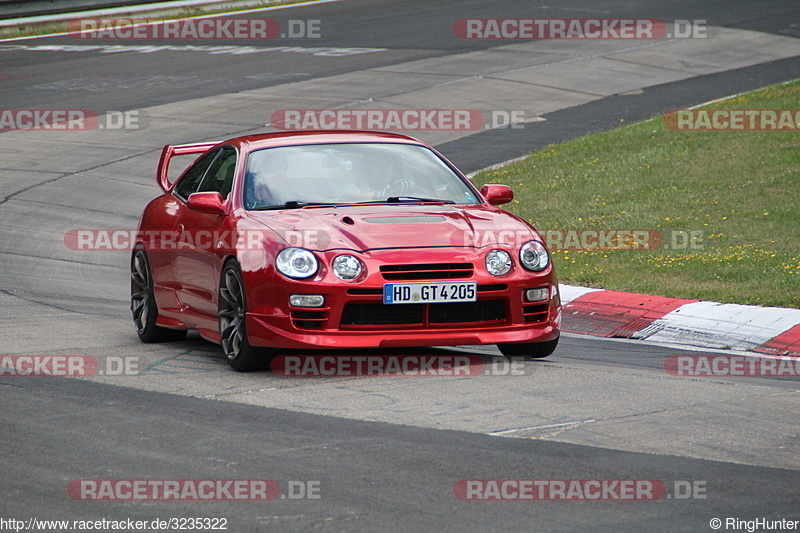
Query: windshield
294	176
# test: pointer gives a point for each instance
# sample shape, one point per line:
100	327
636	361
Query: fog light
537	295
306	300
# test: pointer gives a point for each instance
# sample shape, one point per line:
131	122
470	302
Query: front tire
232	324
143	303
529	350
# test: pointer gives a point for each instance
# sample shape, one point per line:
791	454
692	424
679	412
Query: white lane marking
139	9
541	431
234	50
732	96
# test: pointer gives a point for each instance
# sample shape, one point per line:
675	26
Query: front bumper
354	315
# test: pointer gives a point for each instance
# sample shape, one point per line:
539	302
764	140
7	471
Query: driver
383	177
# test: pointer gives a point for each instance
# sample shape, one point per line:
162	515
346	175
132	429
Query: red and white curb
769	330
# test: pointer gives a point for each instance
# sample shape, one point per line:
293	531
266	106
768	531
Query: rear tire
143	303
529	350
232	324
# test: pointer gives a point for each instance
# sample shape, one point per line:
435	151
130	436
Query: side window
220	175
191	180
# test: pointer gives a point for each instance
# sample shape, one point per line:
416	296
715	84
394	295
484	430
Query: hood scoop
423	219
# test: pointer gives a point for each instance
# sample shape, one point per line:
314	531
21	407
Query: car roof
293	138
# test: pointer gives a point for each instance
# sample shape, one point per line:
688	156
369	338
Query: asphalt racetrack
366	453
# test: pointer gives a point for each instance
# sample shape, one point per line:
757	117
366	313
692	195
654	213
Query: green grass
741	190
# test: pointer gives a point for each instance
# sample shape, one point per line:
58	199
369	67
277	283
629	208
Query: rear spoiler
169	151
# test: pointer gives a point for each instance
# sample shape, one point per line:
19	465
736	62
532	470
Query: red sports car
310	240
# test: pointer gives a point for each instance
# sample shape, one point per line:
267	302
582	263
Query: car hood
395	226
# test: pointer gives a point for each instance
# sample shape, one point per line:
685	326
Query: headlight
347	267
296	263
534	256
498	262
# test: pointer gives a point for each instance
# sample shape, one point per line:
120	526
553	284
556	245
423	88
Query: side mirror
497	194
206	202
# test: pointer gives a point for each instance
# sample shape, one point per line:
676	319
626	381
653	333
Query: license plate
430	293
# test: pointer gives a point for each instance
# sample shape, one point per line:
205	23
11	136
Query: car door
196	257
162	252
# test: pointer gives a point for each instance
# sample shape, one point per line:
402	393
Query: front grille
365	292
466	312
493	287
429	271
535	313
309	319
378	314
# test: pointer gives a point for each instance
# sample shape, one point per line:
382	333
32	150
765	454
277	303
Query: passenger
266	179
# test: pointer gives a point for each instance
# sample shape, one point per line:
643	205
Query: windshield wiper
396	199
295	204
